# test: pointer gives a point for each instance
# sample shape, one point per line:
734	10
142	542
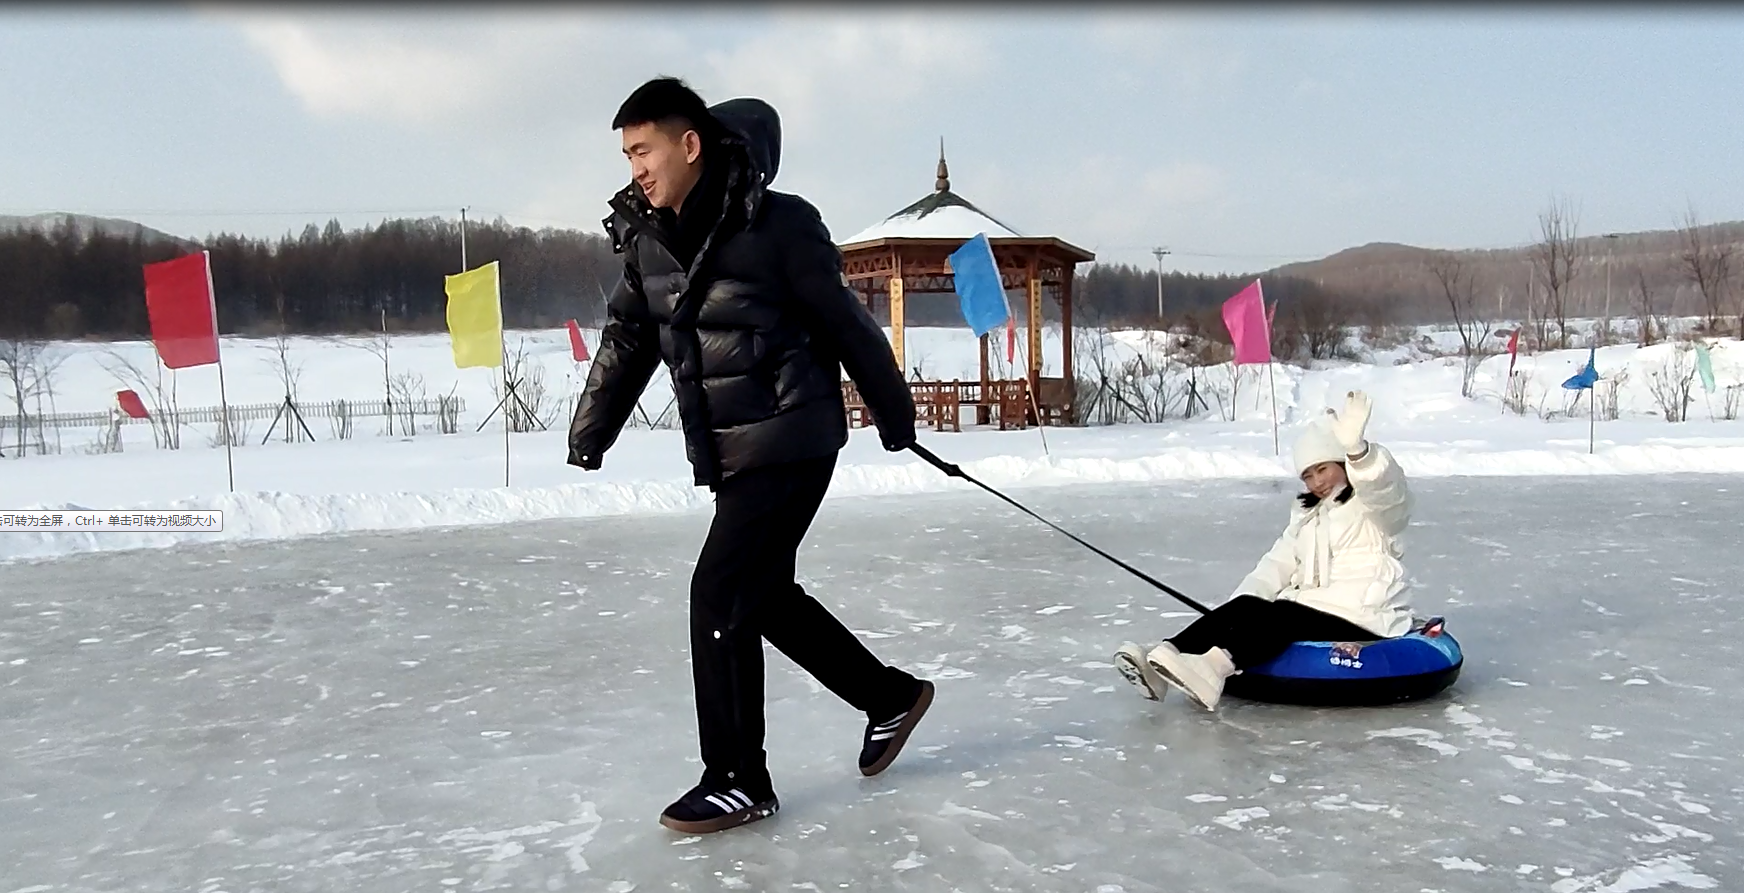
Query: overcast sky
1239	140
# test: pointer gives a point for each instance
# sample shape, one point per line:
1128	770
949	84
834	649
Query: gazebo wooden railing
939	404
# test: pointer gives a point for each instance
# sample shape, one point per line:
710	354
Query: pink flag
1245	317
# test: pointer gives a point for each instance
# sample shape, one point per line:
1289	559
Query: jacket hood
757	124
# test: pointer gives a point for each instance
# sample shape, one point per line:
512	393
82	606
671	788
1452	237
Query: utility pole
462	240
1160	253
1610	249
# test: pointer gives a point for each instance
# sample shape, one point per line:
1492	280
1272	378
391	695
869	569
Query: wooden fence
245	412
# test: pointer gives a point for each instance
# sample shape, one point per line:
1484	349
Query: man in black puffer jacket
741	292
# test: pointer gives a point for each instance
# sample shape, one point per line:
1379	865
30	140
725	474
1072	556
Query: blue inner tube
1419	664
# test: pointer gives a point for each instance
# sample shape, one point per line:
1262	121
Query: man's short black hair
667	102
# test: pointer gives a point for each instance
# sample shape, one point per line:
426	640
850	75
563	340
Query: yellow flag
475	317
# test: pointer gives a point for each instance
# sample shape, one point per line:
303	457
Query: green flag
1704	367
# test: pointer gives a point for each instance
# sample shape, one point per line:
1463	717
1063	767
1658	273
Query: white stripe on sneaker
722	803
740	796
891	723
881	736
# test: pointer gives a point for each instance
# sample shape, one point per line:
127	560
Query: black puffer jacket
755	331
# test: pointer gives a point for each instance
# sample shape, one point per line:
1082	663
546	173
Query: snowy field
508	708
378	482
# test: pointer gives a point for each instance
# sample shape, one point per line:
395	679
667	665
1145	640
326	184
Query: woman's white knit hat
1316	445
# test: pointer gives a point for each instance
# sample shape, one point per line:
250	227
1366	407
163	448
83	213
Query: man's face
664	165
1325	479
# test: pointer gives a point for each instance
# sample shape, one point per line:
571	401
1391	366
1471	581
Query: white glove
1348	426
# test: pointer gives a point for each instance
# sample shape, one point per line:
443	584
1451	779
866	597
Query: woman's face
1325	478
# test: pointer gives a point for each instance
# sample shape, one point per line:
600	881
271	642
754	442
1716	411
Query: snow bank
377	483
281	515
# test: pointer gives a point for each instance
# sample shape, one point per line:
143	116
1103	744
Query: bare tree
526	401
408	387
1094	375
18	360
379	344
1459	284
289	375
1557	260
166	429
1670	383
1652	327
28	368
1707	262
1317	323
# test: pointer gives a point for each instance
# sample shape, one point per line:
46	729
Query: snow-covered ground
376	482
509	708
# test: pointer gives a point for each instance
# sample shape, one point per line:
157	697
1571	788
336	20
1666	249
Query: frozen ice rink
510	708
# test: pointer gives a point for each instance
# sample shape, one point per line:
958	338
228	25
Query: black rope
956	472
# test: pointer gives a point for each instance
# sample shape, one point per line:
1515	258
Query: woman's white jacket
1343	558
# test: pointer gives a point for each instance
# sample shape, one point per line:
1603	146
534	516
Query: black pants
1254	630
743	592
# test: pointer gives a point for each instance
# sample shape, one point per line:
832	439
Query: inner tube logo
1347	654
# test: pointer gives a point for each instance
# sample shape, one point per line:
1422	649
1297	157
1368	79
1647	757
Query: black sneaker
702	811
884	738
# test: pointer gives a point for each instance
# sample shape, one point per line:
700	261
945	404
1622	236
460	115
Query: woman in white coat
1334	574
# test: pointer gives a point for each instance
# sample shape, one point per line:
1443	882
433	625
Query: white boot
1198	676
1130	661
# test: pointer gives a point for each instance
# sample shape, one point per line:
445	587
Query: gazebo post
897	338
1033	273
1067	370
983	410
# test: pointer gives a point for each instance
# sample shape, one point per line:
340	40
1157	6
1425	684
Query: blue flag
980	290
1585	378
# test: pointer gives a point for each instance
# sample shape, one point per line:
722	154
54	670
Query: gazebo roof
941	214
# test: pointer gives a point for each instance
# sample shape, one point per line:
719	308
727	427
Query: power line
160	212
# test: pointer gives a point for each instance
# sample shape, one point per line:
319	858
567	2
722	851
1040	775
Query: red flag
183	313
1010	340
131	404
1245	317
577	347
1513	351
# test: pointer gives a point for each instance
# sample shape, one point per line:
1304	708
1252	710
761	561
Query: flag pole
1271	372
506	410
1271	368
1041	425
223	398
503	362
224	407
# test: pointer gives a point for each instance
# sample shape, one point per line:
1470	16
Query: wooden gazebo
907	254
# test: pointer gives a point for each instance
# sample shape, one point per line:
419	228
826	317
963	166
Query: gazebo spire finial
943	184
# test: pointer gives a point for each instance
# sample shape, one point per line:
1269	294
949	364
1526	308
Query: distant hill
1399	274
85	225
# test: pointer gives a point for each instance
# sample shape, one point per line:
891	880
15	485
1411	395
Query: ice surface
509	708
